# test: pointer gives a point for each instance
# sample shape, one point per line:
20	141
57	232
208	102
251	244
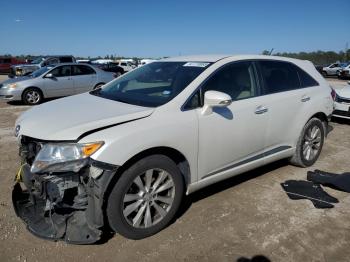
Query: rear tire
32	96
310	143
146	197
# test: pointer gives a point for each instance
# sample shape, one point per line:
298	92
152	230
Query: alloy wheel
149	198
312	143
33	97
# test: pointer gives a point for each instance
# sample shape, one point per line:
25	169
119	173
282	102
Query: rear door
60	84
285	101
84	78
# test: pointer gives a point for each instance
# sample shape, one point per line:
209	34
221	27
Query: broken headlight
61	157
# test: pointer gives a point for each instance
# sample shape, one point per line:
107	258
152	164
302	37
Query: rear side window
305	79
83	70
279	76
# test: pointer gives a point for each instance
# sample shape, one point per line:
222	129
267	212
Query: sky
170	28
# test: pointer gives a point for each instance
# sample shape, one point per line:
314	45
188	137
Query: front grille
340	99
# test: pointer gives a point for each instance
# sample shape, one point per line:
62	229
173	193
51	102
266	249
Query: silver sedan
60	80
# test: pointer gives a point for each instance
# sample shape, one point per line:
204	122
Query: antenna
271	51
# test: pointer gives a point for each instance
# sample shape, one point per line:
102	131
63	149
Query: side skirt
241	167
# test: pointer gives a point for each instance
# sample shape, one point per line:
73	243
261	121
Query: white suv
125	154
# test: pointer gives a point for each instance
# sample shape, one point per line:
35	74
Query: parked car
39	62
111	67
126	65
145	61
7	62
125	154
342	102
54	81
333	69
344	73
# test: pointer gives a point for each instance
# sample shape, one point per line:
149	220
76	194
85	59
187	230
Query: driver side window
61	71
236	80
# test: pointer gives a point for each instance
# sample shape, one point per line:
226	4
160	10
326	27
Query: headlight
63	157
13	85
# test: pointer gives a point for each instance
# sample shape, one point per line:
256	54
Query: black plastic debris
299	189
336	181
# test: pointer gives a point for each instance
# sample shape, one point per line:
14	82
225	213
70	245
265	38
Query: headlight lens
63	157
12	85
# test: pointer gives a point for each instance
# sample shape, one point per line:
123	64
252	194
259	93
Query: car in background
333	69
39	62
344	73
126	65
145	62
111	67
124	155
7	62
342	102
54	81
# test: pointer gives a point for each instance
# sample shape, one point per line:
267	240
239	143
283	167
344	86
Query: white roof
195	58
215	58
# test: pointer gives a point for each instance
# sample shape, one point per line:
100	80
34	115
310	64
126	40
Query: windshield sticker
196	64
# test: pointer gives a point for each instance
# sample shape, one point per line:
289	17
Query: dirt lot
242	217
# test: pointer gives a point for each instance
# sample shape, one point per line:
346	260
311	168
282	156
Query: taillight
333	94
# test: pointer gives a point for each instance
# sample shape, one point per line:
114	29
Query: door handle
261	110
305	98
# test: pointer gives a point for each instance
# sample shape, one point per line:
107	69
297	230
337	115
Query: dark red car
7	62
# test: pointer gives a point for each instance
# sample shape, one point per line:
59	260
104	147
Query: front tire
146	197
310	143
32	96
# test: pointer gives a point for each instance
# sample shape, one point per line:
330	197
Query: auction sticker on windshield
196	64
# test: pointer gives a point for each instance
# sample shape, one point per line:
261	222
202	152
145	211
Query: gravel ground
242	217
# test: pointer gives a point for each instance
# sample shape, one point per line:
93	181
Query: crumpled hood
70	117
343	92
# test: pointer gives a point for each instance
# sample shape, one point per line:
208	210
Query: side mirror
49	75
215	99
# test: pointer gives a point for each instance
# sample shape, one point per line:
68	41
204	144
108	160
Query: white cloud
18	20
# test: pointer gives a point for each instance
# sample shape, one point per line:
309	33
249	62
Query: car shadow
20	103
225	184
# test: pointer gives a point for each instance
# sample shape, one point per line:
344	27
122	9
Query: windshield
37	60
153	84
40	71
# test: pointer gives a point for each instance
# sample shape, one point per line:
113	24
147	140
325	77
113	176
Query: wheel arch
175	155
33	87
323	117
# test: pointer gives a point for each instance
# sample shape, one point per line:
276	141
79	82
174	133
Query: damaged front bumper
64	206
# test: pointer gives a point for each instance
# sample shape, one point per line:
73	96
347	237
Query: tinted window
236	80
51	61
279	76
305	79
194	102
7	60
83	70
61	71
66	59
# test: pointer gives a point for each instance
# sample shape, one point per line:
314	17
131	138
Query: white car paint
342	103
212	144
332	69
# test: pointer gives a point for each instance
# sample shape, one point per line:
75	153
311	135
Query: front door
232	135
